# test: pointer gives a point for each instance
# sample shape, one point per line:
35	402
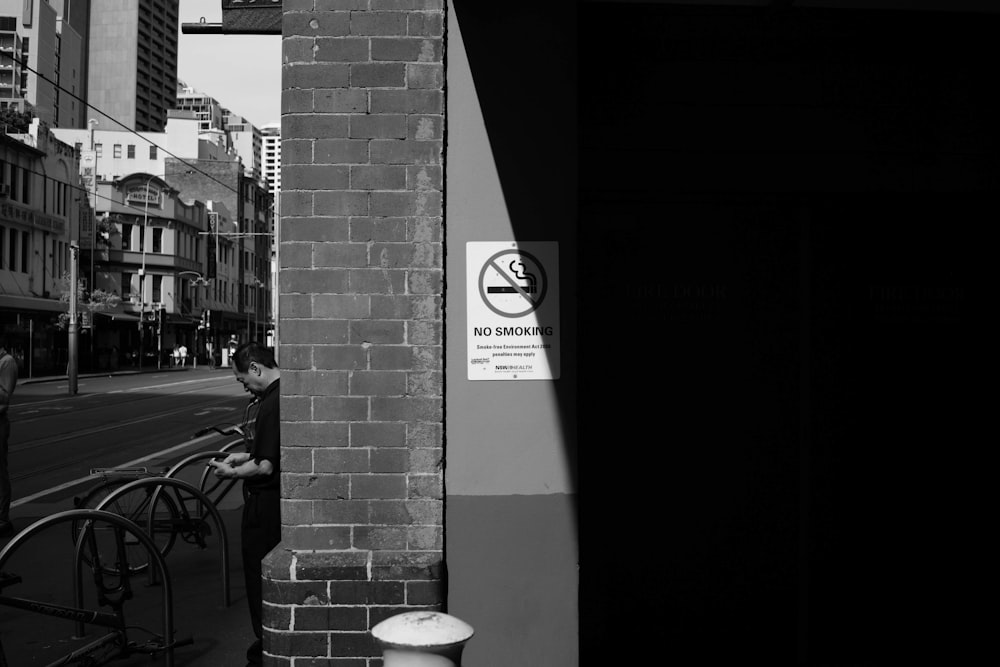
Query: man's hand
223	469
237	458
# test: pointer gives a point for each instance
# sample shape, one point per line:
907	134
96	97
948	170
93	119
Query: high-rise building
271	167
132	69
43	55
207	109
246	138
226	127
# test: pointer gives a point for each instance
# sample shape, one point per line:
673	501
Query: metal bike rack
89	516
159	483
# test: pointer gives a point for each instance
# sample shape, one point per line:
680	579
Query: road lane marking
19	411
211	410
60	399
32	444
131	464
57	408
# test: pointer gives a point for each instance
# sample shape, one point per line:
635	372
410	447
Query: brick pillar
361	293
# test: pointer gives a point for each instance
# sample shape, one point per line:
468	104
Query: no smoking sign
513	308
513	283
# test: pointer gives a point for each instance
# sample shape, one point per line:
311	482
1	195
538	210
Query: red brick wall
361	285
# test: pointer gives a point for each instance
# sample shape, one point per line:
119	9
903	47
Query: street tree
96	300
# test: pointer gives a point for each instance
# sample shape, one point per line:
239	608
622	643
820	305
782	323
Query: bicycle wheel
134	506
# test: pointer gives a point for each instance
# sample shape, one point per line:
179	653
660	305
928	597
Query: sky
242	72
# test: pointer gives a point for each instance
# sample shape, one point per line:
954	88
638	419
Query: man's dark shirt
267	439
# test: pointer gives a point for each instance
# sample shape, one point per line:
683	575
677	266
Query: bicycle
162	525
165	516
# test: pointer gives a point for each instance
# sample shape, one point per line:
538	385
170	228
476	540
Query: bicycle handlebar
221	429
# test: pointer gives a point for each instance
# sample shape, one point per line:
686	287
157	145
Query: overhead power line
90	192
116	121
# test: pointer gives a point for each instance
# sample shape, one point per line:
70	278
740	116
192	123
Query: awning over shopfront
119	317
32	303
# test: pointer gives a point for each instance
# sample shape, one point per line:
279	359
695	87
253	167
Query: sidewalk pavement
220	633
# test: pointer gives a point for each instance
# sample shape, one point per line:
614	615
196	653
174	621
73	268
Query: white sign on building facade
513	310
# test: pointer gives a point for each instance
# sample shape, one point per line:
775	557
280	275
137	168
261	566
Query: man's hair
252	351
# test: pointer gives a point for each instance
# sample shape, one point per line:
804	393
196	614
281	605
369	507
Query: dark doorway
786	210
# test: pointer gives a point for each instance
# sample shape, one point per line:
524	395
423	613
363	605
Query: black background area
783	440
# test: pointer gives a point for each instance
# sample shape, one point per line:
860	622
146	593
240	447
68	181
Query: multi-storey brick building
39	211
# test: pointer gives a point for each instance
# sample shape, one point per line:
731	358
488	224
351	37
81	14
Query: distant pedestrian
8	381
183	354
175	357
210	351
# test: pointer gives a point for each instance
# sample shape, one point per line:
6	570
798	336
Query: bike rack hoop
90	516
158	483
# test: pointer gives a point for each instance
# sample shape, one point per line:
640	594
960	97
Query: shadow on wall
525	82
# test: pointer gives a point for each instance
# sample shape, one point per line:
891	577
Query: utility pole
142	276
159	337
71	369
92	197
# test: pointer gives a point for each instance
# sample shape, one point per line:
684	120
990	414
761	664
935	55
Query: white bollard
422	639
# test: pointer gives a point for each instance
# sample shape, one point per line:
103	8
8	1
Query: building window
12	251
117	152
131	151
99	149
3	238
157	286
126	285
152	152
25	242
126	236
157	239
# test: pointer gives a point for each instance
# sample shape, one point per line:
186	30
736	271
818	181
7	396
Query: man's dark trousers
261	532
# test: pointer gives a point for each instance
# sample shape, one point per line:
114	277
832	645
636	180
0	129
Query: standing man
8	380
255	368
183	353
233	343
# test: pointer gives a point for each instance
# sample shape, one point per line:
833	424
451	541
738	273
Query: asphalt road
125	420
142	420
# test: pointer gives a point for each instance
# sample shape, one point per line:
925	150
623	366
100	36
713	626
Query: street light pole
93	206
142	275
199	281
74	353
